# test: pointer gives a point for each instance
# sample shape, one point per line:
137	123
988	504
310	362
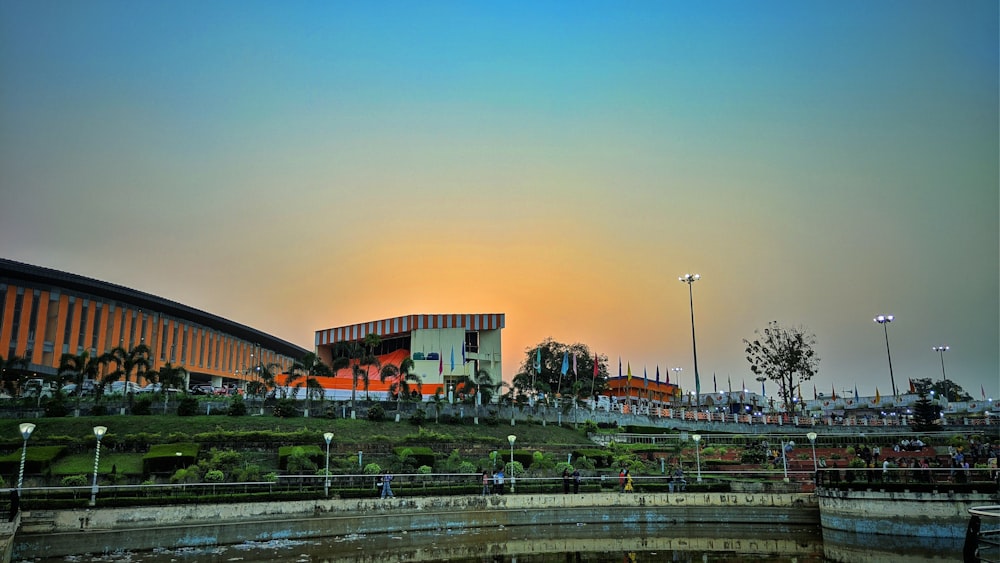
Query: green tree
785	356
309	368
926	414
404	378
370	360
75	368
542	370
137	360
946	388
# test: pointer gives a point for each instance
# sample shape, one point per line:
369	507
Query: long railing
982	537
910	478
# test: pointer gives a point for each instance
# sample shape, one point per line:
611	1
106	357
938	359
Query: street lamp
677	379
884	320
511	438
99	432
697	453
812	440
26	429
328	437
941	350
784	459
690	279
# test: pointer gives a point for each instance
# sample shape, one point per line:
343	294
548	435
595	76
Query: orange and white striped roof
409	323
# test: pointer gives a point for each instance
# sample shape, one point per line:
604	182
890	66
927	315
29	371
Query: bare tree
785	356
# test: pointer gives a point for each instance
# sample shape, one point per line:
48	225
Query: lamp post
99	432
690	279
941	350
511	438
763	394
677	380
784	460
26	429
697	453
884	320
812	441
328	437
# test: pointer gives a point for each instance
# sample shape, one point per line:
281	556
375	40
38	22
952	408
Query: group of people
568	477
493	484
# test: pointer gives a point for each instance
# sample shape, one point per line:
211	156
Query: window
84	309
68	332
98	310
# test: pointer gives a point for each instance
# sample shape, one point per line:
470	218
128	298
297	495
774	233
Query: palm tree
438	400
170	376
77	368
137	359
309	367
403	376
356	374
371	341
11	371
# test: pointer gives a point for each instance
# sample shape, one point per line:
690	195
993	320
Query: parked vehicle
156	388
38	388
119	388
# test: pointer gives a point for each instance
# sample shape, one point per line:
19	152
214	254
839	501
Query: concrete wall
69	532
913	514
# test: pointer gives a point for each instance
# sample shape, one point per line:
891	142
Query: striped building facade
444	347
46	313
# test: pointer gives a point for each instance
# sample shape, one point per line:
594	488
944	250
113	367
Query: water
565	544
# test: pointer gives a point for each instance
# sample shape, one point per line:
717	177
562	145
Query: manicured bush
188	406
237	406
163	458
376	413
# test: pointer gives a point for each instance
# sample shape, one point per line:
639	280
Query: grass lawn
54	431
83	464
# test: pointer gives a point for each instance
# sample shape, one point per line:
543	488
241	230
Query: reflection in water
640	543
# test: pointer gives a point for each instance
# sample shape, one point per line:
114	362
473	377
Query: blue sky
306	165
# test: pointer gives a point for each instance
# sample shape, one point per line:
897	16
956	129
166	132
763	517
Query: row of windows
170	340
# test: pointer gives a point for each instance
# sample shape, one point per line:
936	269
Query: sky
305	165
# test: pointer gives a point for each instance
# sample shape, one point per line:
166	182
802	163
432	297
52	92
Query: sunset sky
299	166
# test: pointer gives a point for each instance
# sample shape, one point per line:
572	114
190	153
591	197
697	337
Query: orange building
637	389
46	313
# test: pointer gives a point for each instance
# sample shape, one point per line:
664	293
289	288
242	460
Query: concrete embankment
931	514
100	530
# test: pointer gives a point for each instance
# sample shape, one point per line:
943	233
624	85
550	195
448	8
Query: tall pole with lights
327	437
99	432
26	429
947	389
689	279
884	320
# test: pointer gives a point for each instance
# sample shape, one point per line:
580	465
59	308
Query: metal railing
982	537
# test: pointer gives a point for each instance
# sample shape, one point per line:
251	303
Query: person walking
621	480
386	488
486	483
628	482
576	481
565	479
498	482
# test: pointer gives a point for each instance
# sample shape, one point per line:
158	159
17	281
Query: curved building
46	313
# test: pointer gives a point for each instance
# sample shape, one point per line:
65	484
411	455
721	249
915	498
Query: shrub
74	481
142	406
188	406
285	408
372	469
299	462
376	413
424	470
214	476
99	410
419	417
237	407
56	406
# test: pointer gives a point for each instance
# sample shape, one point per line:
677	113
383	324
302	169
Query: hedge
167	458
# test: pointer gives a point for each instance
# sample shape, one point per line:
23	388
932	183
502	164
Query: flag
595	365
463	352
715	384
834	389
619	366
800	392
730	379
878	397
628	374
441	363
645	380
574	366
913	389
657	375
855	391
565	365
668	377
815	394
983	391
538	360
697	384
452	358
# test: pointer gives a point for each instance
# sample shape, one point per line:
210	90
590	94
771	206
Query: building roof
38	275
408	323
